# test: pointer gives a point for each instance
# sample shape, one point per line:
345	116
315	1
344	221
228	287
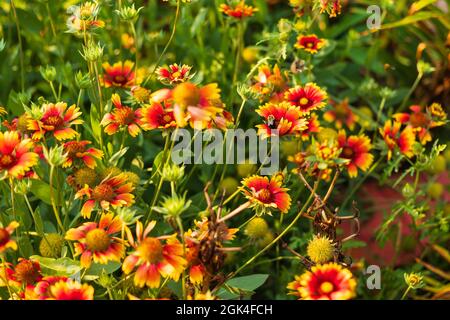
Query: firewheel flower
16	157
70	290
120	75
122	117
112	191
84	18
78	152
332	7
174	74
356	149
57	120
420	121
341	114
96	241
265	194
396	139
153	257
5	237
285	118
238	11
308	98
157	115
270	83
324	282
310	43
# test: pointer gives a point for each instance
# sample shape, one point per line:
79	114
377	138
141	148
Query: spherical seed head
97	240
257	228
85	176
51	245
264	241
327	134
438	166
229	184
289	147
110	172
435	190
132	177
246	169
186	94
320	250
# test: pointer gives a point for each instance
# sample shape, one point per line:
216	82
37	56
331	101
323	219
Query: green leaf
419	16
97	269
248	283
419	5
42	191
62	266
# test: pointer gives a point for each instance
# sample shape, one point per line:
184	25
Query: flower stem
52	198
406	293
21	57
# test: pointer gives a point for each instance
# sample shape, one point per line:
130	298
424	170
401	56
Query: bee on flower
96	242
119	75
122	117
79	153
112	191
83	18
307	98
397	139
341	114
309	43
153	257
174	74
5	237
357	150
16	155
238	10
324	282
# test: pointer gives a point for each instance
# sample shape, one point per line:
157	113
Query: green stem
21	57
52	198
410	92
406	293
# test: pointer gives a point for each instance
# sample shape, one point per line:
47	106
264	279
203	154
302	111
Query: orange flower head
78	152
270	83
284	117
122	117
120	75
70	290
97	241
16	157
310	43
332	7
112	191
57	120
313	126
265	194
238	11
341	114
396	139
356	149
5	237
153	257
174	74
307	98
324	282
27	272
157	116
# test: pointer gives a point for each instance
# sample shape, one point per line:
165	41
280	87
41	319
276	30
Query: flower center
55	121
74	147
186	94
326	287
120	79
6	160
151	250
124	115
418	120
103	192
264	195
97	240
176	74
303	101
4	237
347	153
310	44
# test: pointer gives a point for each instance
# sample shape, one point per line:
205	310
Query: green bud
408	191
55	156
172	173
92	52
129	14
48	73
82	80
173	206
414	280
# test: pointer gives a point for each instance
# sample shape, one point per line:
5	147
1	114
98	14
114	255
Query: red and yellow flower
78	151
265	194
5	237
313	126
16	157
356	149
153	257
96	241
157	115
270	83
309	43
332	7
120	75
307	98
284	117
70	290
238	11
341	114
324	282
174	74
112	191
122	117
395	138
420	121
56	119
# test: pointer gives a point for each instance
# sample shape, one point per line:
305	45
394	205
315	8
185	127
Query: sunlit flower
174	74
157	115
313	126
341	114
356	149
120	74
397	139
16	157
122	117
270	83
79	152
128	42
84	18
238	11
5	237
153	257
41	290
96	241
112	191
310	43
332	7
421	122
285	118
70	290
57	120
324	282
265	194
308	98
